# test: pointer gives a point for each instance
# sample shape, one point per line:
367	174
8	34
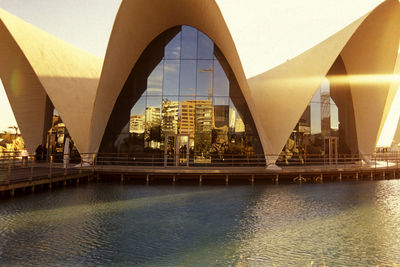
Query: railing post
32	165
9	170
93	162
66	170
51	167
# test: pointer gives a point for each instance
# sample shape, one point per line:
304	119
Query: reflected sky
187	91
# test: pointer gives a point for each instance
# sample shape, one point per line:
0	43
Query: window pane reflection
221	82
189	43
173	48
188	77
205	48
155	80
204	78
169	115
153	123
184	98
171	77
203	126
316	138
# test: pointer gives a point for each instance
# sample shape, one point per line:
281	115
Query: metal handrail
10	165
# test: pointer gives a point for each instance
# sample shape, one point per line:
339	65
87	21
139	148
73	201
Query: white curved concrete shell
366	50
85	98
129	38
46	65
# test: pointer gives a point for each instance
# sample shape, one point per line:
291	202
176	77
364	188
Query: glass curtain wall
181	105
325	133
318	126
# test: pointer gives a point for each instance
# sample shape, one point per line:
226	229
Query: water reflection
341	224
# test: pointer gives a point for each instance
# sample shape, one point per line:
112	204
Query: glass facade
181	105
326	131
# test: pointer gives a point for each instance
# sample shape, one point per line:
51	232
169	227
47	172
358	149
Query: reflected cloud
171	67
154	89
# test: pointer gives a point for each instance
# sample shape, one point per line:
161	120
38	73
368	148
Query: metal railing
17	168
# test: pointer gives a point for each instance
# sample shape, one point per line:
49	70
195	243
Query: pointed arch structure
36	68
129	38
368	48
39	70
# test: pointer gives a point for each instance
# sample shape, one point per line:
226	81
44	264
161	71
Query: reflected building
318	136
169	116
182	89
136	124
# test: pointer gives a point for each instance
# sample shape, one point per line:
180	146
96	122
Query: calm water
339	224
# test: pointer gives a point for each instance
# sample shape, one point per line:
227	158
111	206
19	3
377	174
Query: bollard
383	175
322	178
252	179
277	179
33	188
340	176
226	179
122	177
200	179
173	179
147	179
12	192
356	176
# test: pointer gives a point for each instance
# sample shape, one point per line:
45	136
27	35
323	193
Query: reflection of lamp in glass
211	70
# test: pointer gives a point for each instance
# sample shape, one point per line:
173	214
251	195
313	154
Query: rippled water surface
337	224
